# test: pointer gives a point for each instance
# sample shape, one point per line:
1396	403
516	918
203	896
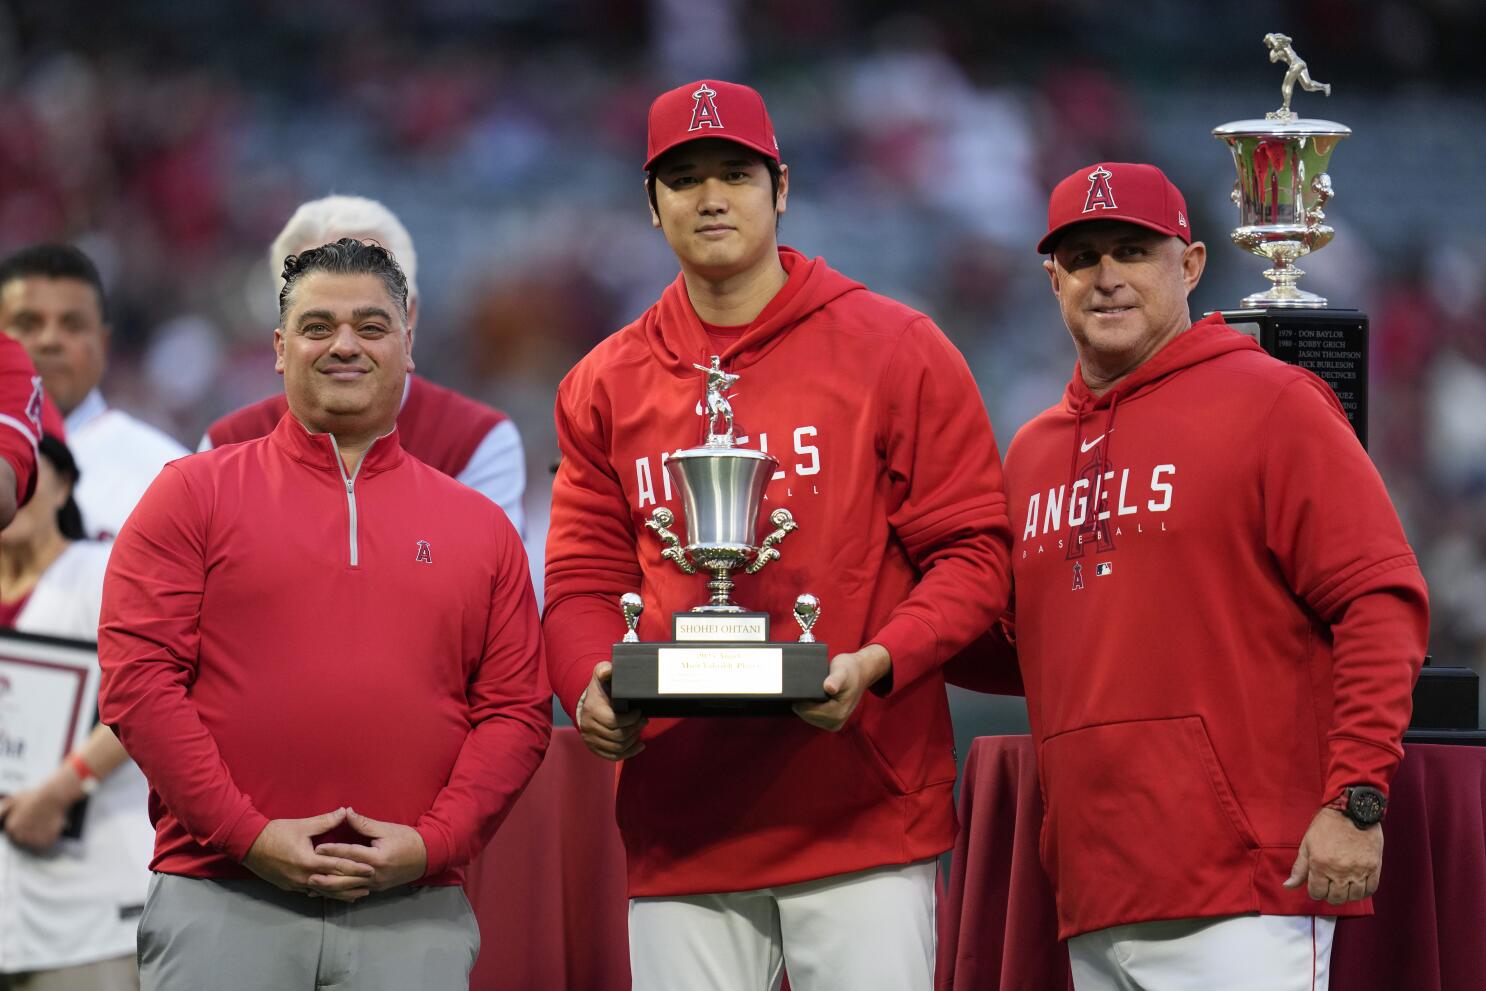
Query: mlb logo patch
1103	568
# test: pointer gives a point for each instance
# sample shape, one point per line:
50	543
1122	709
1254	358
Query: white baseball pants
1233	953
863	931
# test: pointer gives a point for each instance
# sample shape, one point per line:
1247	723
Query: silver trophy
721	488
1282	185
720	659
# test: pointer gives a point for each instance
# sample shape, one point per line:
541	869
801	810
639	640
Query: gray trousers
250	936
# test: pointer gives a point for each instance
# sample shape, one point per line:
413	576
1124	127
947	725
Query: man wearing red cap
1217	616
759	845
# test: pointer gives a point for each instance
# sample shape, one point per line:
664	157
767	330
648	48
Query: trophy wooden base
717	678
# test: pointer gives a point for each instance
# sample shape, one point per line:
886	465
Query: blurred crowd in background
171	141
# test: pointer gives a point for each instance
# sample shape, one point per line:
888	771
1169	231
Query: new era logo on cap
1135	193
710	108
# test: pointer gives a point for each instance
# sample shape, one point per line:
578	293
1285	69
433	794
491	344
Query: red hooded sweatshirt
1219	624
888	464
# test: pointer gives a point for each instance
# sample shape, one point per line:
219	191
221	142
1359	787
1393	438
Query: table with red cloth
549	891
998	928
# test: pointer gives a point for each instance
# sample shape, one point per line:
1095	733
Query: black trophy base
1446	707
656	684
1332	343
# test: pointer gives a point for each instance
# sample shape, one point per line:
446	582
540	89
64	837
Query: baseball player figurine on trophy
721	661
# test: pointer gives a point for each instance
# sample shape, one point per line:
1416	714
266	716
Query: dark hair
69	518
347	256
54	261
769	164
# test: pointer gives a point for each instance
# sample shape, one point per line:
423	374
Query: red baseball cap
710	109
1136	194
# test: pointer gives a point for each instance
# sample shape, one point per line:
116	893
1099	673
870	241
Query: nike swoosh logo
1088	446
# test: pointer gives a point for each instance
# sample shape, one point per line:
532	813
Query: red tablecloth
997	927
549	890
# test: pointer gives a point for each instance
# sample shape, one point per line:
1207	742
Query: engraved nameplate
719	671
691	627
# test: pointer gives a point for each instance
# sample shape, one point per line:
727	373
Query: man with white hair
465	439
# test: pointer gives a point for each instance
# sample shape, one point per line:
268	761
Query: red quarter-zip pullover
281	637
887	461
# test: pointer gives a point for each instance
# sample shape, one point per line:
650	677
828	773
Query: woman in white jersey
68	907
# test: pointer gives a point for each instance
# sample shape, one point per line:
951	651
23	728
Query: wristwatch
1364	805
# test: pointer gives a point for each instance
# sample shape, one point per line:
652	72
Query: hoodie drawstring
1100	465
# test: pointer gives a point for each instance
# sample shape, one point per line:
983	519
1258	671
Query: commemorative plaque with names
720	660
1332	343
48	707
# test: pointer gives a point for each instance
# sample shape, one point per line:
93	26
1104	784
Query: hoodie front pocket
1142	823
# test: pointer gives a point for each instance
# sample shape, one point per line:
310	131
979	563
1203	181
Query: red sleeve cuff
243	834
436	847
914	649
1357	762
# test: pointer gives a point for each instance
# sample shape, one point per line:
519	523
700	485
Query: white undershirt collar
86	412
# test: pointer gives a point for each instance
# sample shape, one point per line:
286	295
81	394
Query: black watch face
1365	806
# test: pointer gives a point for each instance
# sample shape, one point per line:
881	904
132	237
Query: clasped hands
286	856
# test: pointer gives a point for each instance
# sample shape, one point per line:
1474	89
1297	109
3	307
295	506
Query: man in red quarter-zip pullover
755	844
1218	620
325	657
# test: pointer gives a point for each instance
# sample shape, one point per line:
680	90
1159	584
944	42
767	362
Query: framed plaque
48	707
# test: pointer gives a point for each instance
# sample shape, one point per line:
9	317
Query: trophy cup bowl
721	490
1281	189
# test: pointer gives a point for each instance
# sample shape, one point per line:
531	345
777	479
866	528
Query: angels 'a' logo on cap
1100	196
704	110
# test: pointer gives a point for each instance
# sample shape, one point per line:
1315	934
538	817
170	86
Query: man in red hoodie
1217	616
325	656
756	844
